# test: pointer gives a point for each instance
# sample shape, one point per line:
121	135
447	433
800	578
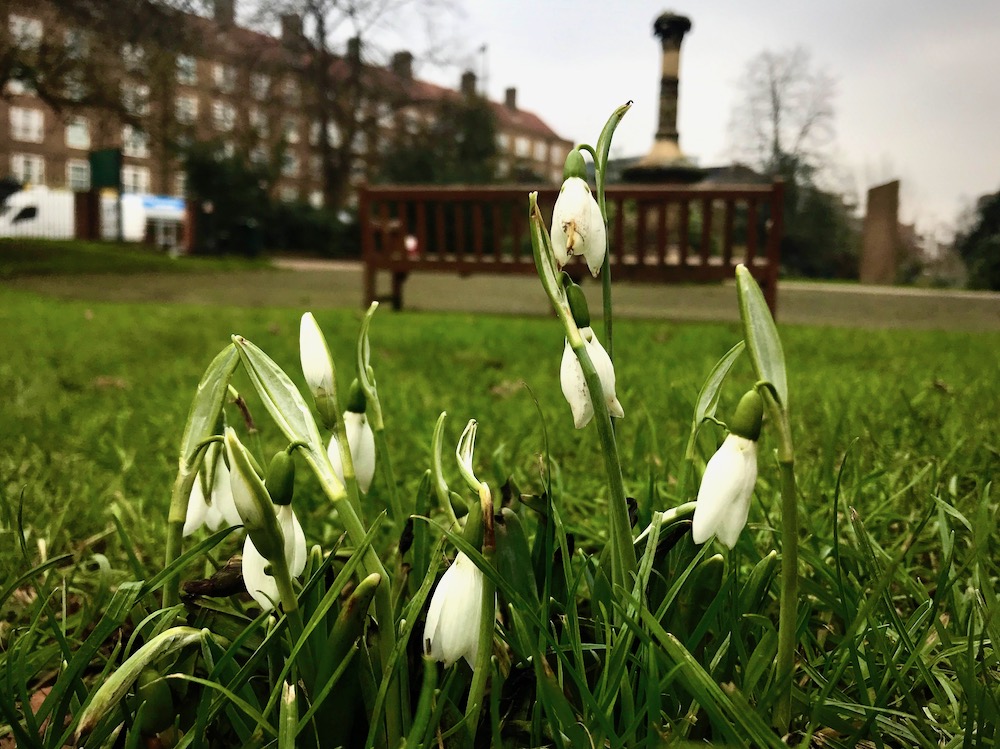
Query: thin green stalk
788	602
623	563
480	674
606	292
382	451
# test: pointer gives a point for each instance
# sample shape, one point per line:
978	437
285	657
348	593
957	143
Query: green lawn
42	257
95	396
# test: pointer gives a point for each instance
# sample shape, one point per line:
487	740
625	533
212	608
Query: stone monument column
666	162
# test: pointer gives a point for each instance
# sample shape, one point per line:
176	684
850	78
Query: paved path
316	284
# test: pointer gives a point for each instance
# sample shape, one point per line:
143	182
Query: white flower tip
314	354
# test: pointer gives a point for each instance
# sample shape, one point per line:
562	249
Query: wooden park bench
658	234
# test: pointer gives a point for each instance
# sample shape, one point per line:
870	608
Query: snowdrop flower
574	387
360	439
261	585
218	506
577	224
317	367
455	614
724	496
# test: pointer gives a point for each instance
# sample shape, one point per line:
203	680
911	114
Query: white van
38	212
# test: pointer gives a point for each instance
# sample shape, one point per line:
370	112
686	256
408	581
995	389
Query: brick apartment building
208	79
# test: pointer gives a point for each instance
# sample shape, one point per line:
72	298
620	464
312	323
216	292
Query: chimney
291	29
510	98
468	83
354	48
225	12
402	65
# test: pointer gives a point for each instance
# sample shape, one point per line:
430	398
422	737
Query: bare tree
784	114
353	97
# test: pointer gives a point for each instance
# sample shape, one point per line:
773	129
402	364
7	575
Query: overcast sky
917	94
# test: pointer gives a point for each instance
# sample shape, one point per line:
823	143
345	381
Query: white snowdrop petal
258	583
574	388
196	510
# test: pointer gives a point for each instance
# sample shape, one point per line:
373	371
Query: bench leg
398	279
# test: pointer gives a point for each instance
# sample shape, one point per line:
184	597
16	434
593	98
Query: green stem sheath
382	453
480	674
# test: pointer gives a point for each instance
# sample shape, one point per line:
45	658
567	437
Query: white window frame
133	57
186	109
260	84
290	129
542	151
35	175
290	164
180	184
224	77
135	143
288	194
522	146
187	70
135	179
78	133
291	91
27	125
259	122
82	167
223	116
25	32
135	98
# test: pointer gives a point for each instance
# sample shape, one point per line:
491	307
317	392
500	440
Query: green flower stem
606	295
349	510
382	453
480	674
623	563
788	611
179	497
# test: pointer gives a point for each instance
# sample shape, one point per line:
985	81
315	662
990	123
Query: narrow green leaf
761	335
288	716
207	404
287	407
708	397
604	146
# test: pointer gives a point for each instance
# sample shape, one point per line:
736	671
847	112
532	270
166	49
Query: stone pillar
665	162
670	29
880	235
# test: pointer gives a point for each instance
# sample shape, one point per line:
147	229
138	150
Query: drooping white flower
724	496
219	505
455	614
577	226
258	583
361	440
574	386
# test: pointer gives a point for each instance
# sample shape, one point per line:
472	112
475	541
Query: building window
315	167
180	184
17	87
228	149
78	175
288	194
258	156
542	151
135	179
316	198
223	116
76	89
27	124
76	44
260	83
258	121
78	133
134	58
25	32
290	88
135	143
291	129
289	165
187	70
186	109
28	168
135	99
224	77
522	146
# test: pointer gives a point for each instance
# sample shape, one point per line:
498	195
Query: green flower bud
578	305
575	166
153	691
356	401
280	482
253	503
747	419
